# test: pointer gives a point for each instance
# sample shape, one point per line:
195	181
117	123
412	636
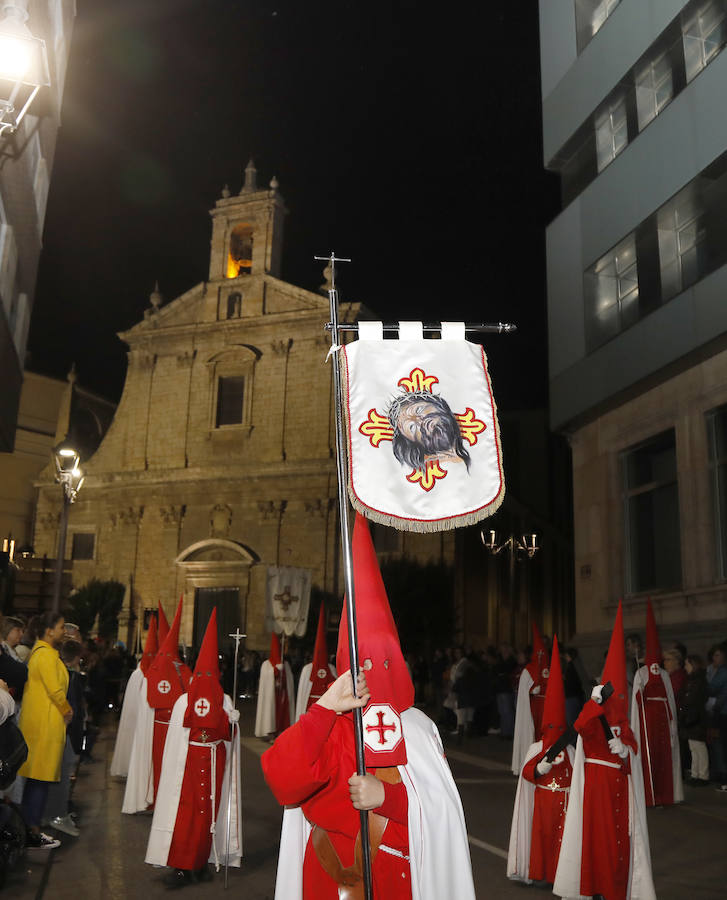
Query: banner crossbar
433	327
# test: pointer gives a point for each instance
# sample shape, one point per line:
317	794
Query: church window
230	400
234	305
83	545
239	256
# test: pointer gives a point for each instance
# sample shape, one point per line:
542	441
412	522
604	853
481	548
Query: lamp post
70	477
23	65
526	545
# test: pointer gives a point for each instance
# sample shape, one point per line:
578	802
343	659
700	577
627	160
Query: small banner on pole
288	599
423	438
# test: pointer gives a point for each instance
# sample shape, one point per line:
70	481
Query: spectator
13	672
7	704
574	694
718	695
674	665
505	669
24	645
57	809
11	630
43	720
692	717
464	686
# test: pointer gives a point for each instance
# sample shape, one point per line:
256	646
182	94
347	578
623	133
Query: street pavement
107	861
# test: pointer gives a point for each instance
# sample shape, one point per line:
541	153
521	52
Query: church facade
220	460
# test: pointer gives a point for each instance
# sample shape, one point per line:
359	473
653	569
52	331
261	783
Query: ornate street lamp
524	546
70	477
23	65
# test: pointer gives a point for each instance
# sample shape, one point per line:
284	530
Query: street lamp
23	65
70	477
526	545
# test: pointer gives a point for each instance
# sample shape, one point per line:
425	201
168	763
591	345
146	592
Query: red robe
192	838
606	844
161	722
549	807
309	765
655	740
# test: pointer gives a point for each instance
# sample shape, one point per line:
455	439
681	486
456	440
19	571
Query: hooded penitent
282	700
151	646
539	672
168	677
554	720
380	656
320	673
653	646
206	697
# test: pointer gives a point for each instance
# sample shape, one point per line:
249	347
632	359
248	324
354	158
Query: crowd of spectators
55	686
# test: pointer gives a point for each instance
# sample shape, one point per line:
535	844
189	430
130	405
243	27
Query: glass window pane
230	395
83	545
653	462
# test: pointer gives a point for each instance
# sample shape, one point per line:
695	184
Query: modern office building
26	161
633	122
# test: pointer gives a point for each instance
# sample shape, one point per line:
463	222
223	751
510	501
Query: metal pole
348	568
433	328
237	637
61	552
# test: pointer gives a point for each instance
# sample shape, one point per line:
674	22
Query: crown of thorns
405	399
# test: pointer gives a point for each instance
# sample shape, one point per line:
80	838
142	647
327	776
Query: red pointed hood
274	657
539	661
320	673
205	703
615	708
151	646
168	677
380	655
163	625
654	655
554	720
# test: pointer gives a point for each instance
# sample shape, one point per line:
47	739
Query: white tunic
127	724
265	713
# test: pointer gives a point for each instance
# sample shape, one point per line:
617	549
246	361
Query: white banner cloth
288	599
424	448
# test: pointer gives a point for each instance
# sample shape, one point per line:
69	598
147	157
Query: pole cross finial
332	259
238	636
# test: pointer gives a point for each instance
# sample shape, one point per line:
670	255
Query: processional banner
288	599
424	448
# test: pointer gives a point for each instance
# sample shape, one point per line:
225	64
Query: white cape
265	713
640	679
524	728
127	724
568	875
139	791
170	788
521	830
304	686
439	855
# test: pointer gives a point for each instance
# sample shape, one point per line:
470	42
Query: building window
651	514
83	546
703	36
590	17
654	89
611	133
717	439
234	305
230	400
239	255
612	294
682	234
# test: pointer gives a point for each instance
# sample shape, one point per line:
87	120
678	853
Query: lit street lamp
23	65
526	545
70	477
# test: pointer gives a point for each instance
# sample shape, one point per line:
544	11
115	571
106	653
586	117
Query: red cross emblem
321	673
202	706
382	727
654	668
164	687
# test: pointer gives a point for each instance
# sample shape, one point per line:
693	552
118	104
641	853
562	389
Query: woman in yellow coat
43	719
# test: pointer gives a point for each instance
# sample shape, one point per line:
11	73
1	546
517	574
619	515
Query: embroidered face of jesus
425	428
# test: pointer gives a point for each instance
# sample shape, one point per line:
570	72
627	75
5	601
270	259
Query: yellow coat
41	715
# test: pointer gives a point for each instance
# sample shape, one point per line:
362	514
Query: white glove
234	715
596	693
536	689
616	746
543	767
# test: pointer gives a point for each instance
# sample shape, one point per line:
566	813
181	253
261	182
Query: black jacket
14	673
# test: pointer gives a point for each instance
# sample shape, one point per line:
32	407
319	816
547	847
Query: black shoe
203	874
179	878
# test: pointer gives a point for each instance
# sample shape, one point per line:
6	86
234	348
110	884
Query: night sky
407	140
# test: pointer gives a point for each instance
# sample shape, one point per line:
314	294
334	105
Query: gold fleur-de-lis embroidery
469	426
427	478
377	428
418	381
